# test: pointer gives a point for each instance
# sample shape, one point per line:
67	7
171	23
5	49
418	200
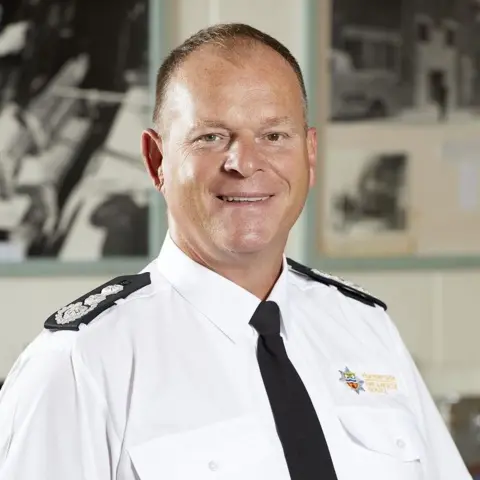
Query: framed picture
400	192
396	98
74	100
405	61
367	200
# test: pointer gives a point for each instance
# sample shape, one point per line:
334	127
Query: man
222	359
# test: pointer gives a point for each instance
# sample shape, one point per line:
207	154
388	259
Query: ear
312	154
153	156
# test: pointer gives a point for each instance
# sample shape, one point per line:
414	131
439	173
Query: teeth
243	199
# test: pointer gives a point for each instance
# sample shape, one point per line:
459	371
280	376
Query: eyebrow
276	121
265	122
209	123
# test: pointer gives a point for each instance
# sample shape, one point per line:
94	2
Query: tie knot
266	319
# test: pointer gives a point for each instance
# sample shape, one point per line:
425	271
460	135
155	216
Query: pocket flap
391	431
221	448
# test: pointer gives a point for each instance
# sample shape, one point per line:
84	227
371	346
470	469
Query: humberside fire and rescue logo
351	380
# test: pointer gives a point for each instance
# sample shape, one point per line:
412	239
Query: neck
255	272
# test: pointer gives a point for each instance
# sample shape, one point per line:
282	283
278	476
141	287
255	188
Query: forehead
214	80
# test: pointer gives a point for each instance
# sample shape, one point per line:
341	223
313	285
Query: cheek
295	170
184	177
186	173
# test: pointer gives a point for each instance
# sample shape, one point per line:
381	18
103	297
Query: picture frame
82	203
429	144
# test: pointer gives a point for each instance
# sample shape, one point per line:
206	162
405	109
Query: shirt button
213	466
400	443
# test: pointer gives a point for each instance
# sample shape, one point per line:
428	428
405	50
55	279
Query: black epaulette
349	289
84	309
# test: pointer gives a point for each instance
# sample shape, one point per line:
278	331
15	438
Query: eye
209	138
275	137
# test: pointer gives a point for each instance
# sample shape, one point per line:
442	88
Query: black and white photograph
74	99
373	199
405	61
401	190
366	203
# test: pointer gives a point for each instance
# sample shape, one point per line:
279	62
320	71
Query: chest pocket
384	442
232	449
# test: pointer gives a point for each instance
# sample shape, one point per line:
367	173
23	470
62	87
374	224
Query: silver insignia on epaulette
341	280
112	289
94	300
71	312
77	310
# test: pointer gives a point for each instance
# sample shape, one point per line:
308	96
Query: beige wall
435	311
26	303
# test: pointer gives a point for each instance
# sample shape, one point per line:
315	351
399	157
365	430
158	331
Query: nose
243	158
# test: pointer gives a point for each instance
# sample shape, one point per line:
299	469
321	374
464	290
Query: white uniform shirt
166	385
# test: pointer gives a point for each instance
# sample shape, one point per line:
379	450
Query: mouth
244	200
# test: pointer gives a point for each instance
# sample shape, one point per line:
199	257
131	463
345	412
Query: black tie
298	427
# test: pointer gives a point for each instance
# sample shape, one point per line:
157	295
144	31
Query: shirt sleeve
443	458
53	423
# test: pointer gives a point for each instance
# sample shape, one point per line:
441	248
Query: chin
248	242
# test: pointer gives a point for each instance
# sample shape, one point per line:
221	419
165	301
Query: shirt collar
229	306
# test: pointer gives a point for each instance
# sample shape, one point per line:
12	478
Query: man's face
237	160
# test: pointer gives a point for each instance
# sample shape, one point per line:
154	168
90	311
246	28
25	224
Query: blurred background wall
432	301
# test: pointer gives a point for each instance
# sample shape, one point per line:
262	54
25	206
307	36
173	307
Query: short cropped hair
220	35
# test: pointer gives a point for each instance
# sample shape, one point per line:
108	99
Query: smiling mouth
244	199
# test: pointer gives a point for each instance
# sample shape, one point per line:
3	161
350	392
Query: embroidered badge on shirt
377	383
352	380
369	382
